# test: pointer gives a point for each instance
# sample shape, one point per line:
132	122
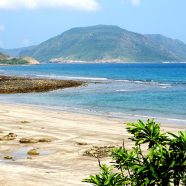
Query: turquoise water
156	90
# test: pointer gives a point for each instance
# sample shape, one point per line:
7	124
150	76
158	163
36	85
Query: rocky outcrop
30	60
12	85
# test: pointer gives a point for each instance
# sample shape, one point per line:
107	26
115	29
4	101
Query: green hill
108	43
6	60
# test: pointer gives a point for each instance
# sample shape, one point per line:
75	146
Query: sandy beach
61	162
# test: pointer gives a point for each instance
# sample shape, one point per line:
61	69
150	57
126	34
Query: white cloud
2	28
88	5
136	2
26	42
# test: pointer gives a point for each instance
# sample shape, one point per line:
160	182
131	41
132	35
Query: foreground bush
157	159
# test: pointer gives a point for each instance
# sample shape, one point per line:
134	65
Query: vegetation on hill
108	43
14	61
157	159
6	60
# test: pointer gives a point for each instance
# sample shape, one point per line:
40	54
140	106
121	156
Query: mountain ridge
107	43
15	52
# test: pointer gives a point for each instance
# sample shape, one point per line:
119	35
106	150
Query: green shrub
157	159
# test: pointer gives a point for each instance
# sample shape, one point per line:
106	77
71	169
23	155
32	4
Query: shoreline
71	133
50	84
124	116
94	63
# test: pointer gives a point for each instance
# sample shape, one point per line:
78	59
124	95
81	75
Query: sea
142	90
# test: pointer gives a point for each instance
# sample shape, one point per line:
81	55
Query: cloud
26	42
88	5
2	28
135	2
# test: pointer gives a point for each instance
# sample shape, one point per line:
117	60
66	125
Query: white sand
64	165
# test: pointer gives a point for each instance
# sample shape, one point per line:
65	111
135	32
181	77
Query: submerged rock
8	157
28	140
99	152
82	143
33	152
25	122
34	140
10	136
29	158
45	140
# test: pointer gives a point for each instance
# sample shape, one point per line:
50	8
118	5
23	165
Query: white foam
73	77
122	90
154	83
102	79
138	116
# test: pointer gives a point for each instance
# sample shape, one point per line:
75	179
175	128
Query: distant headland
7	60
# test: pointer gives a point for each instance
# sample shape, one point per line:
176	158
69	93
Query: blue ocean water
156	90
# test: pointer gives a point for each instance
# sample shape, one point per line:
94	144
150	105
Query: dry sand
63	162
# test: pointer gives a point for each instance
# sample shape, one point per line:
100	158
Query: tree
157	159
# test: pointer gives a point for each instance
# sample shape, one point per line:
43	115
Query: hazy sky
28	22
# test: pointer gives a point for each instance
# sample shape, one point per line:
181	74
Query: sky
30	22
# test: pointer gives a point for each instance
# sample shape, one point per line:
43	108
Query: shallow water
156	90
21	153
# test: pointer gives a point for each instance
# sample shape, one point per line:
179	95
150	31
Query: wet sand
61	162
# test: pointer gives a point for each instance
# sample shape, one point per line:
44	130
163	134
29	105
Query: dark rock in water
28	140
99	152
12	85
10	136
33	152
82	143
33	140
24	122
45	140
8	157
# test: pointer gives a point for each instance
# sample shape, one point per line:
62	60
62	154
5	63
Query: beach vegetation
156	159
